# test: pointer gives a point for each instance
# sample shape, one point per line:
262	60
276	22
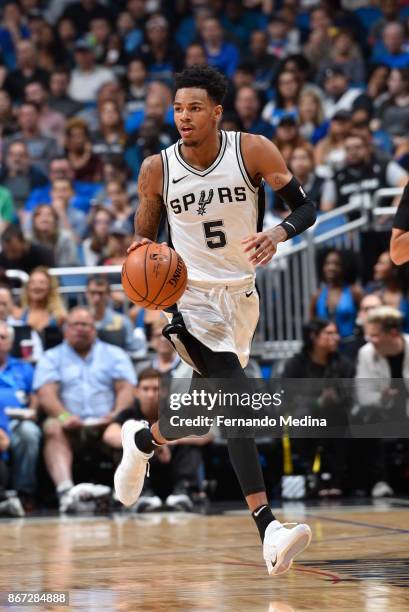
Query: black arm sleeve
401	220
303	211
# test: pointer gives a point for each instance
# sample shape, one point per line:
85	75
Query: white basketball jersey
211	211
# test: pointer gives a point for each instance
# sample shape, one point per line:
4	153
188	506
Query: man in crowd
181	458
16	379
27	70
18	253
18	174
51	123
106	319
82	385
87	77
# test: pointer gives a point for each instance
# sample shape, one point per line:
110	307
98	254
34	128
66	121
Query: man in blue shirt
222	55
393	53
16	378
81	383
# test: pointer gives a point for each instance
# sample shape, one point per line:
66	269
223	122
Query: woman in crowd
86	165
287	99
47	232
330	151
338	297
118	201
394	111
41	303
319	359
95	247
345	54
389	284
311	116
110	139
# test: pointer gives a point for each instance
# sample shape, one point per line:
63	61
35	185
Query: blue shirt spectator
222	55
85	379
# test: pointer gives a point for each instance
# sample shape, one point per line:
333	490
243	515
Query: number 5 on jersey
215	237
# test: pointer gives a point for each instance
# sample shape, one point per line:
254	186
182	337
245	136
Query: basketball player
400	231
210	182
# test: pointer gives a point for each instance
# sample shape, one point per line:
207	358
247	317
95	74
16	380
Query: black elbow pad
303	210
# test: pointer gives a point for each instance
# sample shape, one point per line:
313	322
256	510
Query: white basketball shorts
222	317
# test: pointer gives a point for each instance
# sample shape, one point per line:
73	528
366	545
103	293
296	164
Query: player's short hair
387	318
203	77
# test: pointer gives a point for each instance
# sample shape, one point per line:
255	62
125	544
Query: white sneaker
381	489
76	498
281	545
12	507
130	474
147	503
179	501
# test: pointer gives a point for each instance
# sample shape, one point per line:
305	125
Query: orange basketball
154	276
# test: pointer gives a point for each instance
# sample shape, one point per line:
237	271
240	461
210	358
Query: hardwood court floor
358	560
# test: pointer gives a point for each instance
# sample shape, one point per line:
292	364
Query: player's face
196	115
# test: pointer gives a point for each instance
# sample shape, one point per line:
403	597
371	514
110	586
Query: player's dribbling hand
137	243
263	245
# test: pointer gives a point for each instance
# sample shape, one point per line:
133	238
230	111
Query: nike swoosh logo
248	294
179	179
260	509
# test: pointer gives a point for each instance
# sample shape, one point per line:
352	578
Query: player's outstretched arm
148	215
263	160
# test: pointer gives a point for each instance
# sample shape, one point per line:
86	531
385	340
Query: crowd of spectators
85	96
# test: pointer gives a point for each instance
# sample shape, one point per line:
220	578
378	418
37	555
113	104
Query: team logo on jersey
203	203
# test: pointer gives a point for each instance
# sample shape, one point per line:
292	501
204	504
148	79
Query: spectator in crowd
346	55
9	506
382	363
59	99
311	116
338	297
129	33
18	174
377	83
390	13
319	39
50	122
62	202
95	247
41	303
351	347
67	35
281	41
182	458
118	201
338	95
221	54
330	151
287	98
12	30
361	176
50	52
18	253
389	284
111	138
160	53
40	148
394	53
27	70
47	231
120	237
60	169
84	11
86	165
195	55
16	380
117	326
8	125
266	65
287	137
301	163
147	141
394	110
247	105
82	378
166	359
137	89
7	211
8	314
100	32
321	359
87	77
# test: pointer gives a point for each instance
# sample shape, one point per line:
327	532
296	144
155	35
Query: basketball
154	276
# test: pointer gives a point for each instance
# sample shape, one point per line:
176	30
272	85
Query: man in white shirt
87	77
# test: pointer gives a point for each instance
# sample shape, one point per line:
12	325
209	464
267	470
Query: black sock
144	441
263	517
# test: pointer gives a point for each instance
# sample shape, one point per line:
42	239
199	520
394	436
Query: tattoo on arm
149	211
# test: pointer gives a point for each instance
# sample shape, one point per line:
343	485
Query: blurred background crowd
85	96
